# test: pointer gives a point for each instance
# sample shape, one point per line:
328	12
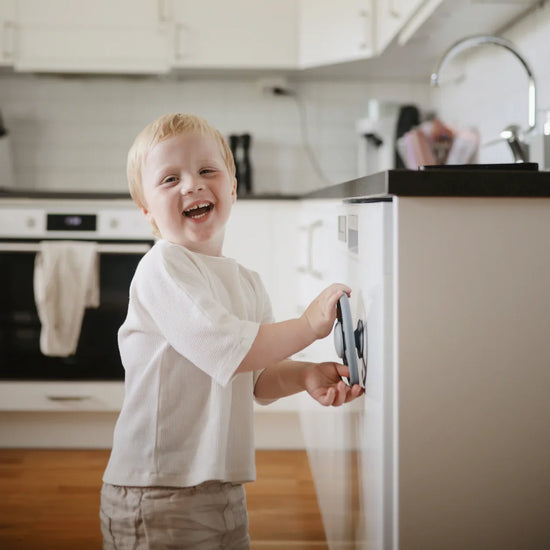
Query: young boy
198	344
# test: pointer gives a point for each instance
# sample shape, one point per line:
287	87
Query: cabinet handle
8	41
395	8
305	268
365	18
311	233
181	30
308	268
68	398
163	11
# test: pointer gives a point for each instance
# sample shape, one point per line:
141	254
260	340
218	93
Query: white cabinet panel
127	36
61	396
348	448
261	235
238	34
472	338
7	31
335	31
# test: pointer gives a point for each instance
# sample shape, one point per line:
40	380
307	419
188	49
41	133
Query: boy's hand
324	383
321	313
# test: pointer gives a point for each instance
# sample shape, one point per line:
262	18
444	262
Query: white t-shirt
186	418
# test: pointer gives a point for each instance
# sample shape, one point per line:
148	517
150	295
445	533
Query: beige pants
210	516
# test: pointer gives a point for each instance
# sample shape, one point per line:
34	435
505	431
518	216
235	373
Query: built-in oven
122	236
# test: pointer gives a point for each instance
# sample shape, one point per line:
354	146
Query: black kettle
240	147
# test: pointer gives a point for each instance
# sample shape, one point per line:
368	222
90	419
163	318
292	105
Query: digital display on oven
71	222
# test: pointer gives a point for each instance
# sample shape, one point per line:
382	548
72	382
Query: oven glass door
97	356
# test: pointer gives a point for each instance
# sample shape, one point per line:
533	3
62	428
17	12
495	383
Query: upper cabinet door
7	31
248	34
126	36
335	31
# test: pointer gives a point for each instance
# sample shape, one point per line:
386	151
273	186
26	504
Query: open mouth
198	210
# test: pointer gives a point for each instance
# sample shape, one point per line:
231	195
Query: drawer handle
68	398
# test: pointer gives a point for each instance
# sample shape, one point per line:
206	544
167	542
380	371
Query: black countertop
496	180
514	180
45	194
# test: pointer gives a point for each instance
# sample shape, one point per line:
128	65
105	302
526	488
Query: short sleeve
177	298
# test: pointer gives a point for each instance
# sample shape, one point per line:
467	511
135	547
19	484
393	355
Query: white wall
74	133
491	91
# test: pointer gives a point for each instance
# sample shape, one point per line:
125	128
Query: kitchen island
449	270
449	448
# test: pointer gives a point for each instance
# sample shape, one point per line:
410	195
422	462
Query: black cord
303	128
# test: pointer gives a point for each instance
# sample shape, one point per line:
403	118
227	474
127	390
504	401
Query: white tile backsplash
74	133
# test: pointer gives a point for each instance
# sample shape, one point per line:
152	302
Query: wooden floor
50	500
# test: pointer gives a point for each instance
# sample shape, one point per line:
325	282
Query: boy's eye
170	179
206	171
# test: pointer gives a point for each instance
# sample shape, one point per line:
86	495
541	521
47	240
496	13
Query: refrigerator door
369	273
351	447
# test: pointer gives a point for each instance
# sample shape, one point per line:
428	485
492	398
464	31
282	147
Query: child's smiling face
189	191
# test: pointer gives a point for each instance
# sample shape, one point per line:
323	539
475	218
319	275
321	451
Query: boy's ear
234	190
147	214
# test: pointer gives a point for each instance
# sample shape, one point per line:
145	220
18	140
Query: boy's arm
278	341
321	380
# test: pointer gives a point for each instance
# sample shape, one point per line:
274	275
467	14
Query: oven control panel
73	220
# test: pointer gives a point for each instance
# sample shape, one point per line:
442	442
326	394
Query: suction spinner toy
350	343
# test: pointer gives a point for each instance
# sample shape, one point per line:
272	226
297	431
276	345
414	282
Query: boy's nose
190	185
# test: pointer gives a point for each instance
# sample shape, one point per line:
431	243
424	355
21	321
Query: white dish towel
66	281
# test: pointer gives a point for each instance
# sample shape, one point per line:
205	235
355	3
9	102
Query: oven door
97	356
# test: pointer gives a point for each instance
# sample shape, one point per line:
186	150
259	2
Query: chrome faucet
513	134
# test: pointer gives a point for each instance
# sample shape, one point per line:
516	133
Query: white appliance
449	448
64	401
376	142
123	236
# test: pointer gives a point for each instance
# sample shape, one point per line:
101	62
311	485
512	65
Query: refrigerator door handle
312	229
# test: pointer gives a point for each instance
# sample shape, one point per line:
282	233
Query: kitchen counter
449	270
471	180
104	195
513	180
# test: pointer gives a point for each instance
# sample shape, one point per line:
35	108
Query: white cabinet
127	36
242	34
157	36
335	31
357	249
261	235
7	31
325	430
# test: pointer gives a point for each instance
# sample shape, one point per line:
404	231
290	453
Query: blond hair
162	128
